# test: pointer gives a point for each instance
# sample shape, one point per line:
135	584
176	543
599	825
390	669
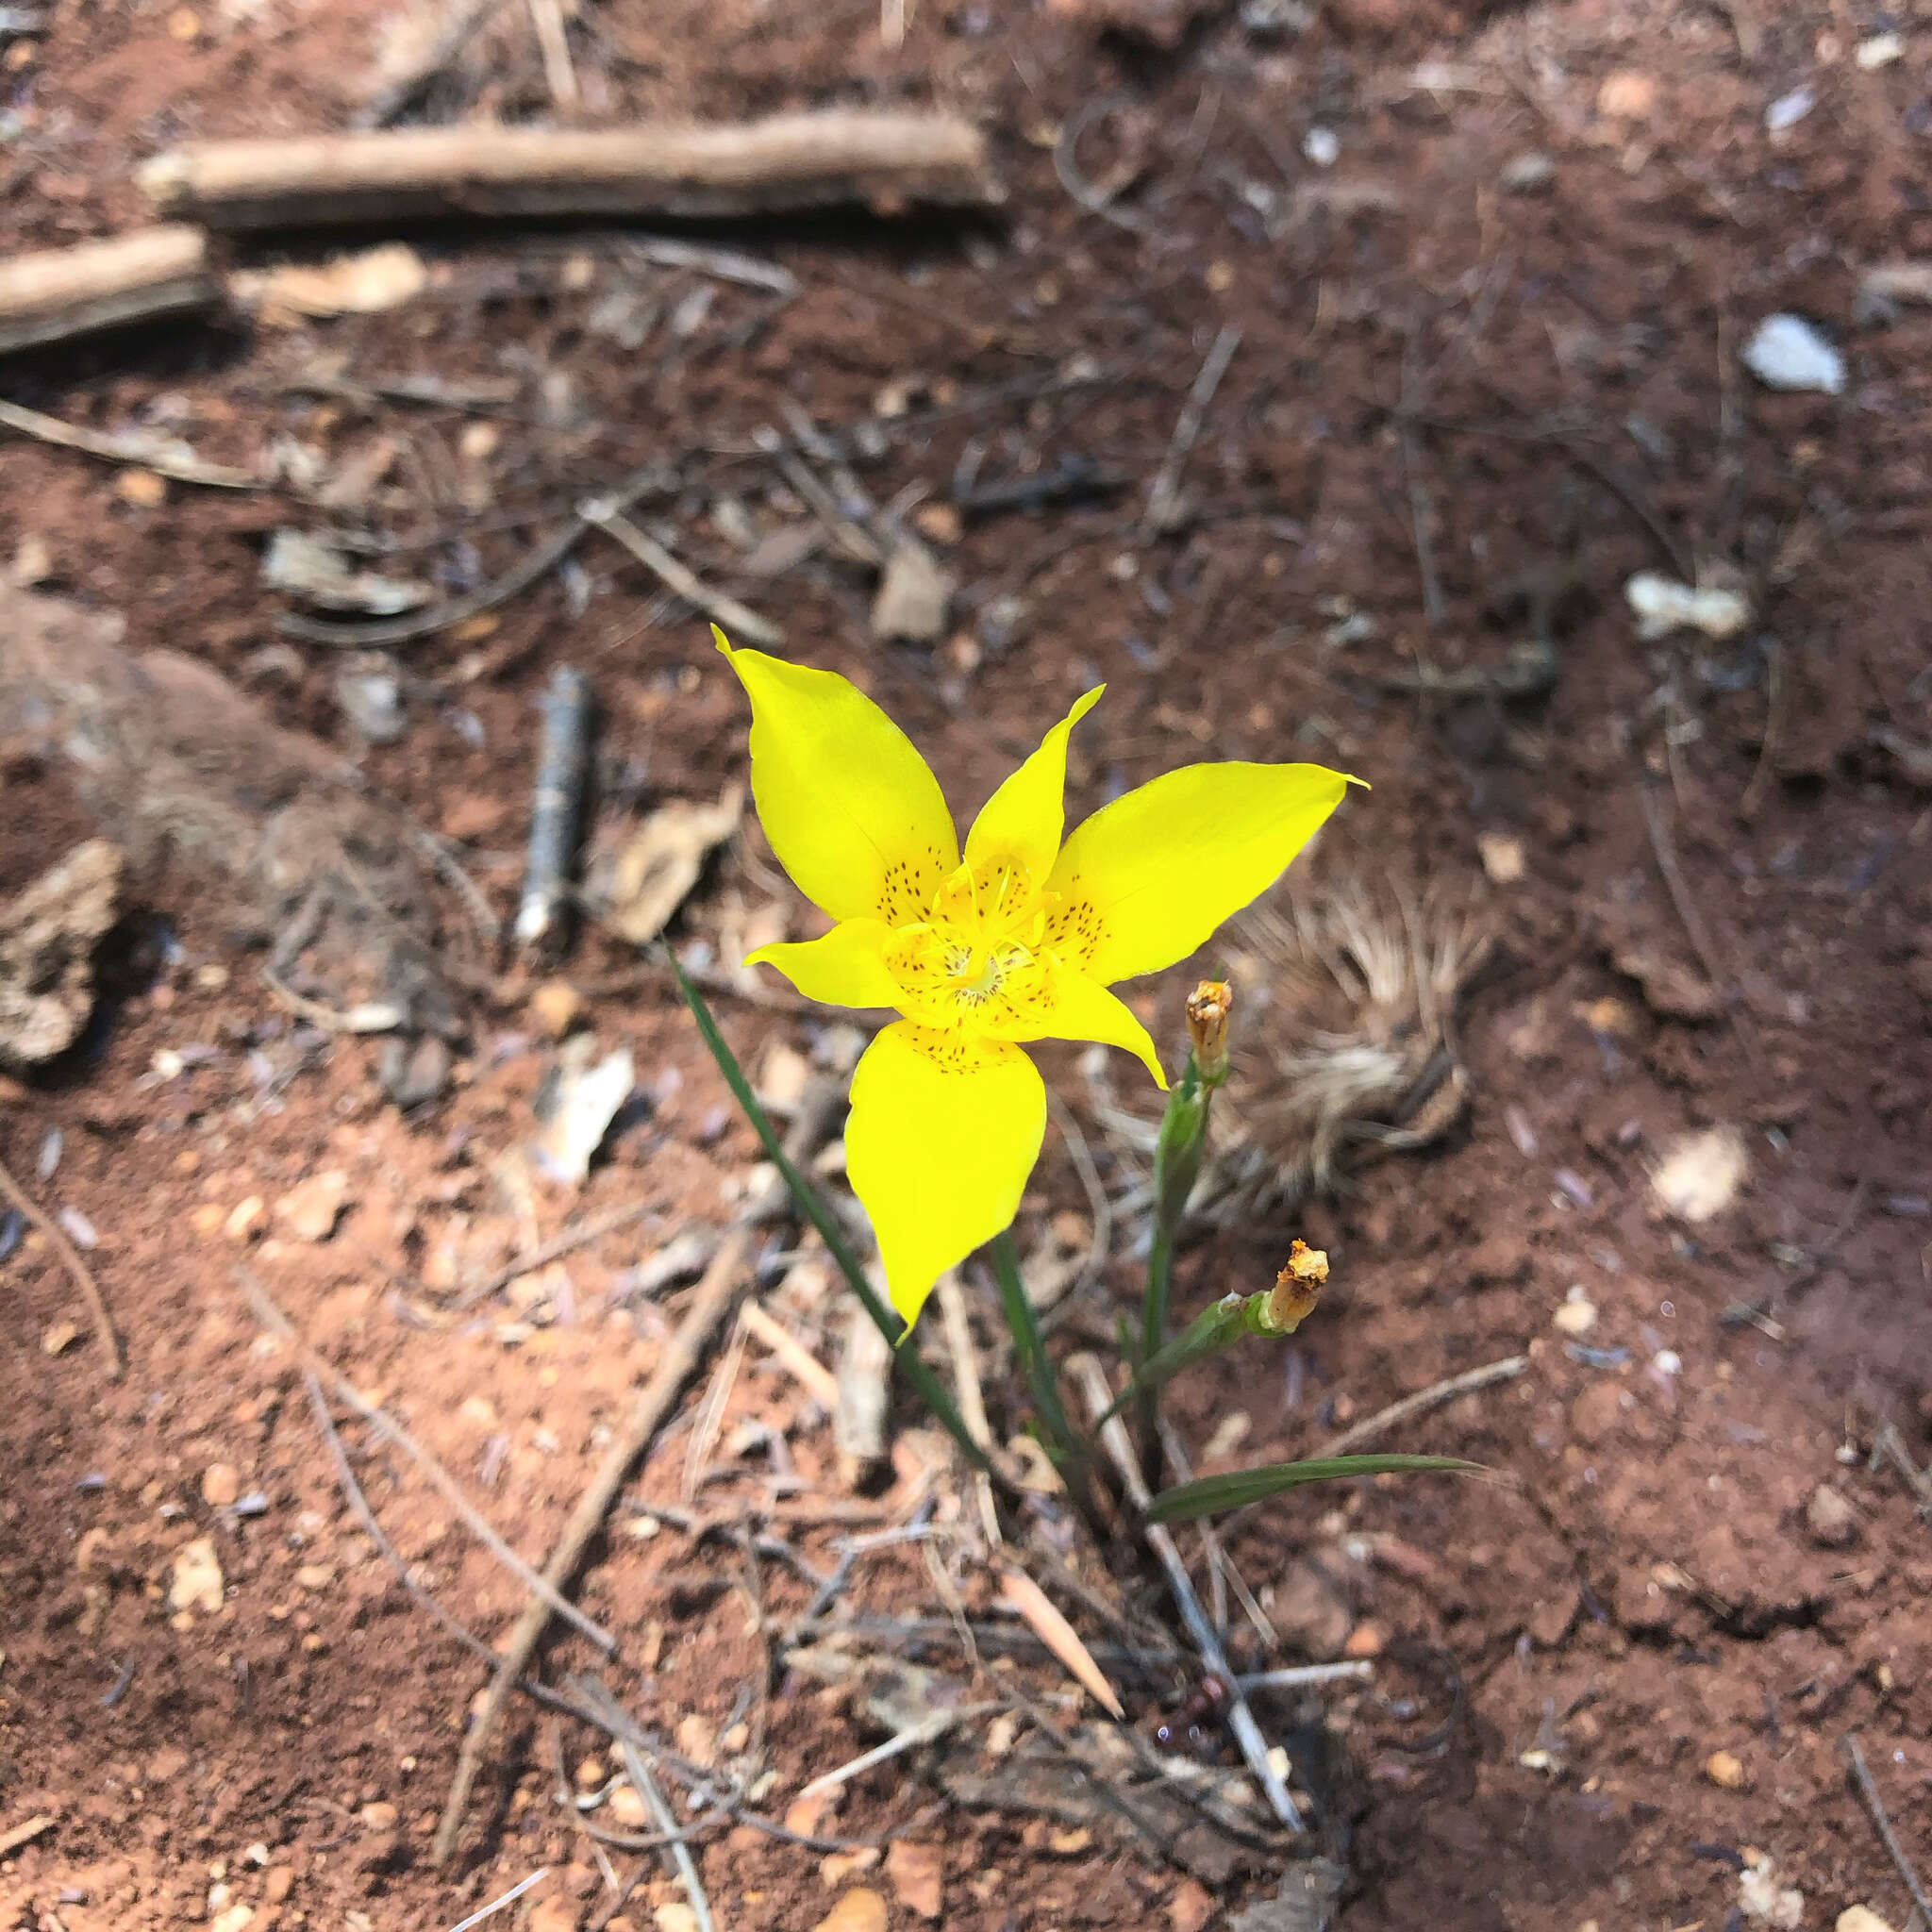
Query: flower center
978	957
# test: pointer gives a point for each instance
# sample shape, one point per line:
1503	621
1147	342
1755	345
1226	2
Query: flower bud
1298	1288
1209	1007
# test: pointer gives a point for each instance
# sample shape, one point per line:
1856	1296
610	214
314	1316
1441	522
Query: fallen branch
70	1256
884	161
1086	1371
61	292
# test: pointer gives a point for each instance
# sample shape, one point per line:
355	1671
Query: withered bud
1298	1288
1209	1007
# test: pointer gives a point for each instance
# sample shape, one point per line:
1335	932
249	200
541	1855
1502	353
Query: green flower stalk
1274	1312
1177	1156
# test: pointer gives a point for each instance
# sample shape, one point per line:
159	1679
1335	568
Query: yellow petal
1147	878
846	968
853	812
1023	820
939	1148
1076	1007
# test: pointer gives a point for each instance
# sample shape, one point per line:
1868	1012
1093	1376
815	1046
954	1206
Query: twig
678	579
1045	1617
372	1016
385	632
1162	494
70	1258
1302	1675
1868	1787
1686	904
703	1433
556	808
131	446
546	18
1240	1720
1378	1424
647	1789
1097	1202
958	1334
1421	513
935	1723
568	1243
805	1368
69	292
548	1597
884	158
1066	165
1752	800
496	1904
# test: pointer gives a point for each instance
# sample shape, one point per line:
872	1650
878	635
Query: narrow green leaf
1210	1495
812	1204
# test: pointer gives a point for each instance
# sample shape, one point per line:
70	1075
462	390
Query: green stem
811	1205
1176	1167
1041	1382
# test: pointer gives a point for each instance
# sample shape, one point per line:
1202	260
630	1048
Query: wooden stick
886	161
70	1258
72	291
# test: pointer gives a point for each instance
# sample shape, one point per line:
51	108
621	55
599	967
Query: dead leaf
314	571
1025	1596
914	595
361	283
662	861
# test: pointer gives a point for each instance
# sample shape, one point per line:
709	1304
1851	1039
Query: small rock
918	1875
860	1910
277	1882
673	1915
308	1211
378	1815
805	1815
314	1576
60	1337
556	1005
627	1808
372	704
1701	1174
1789	109
143	489
1190	1908
1502	857
1725	1768
1576	1316
939	521
1322	147
1787	352
557	1914
1528	174
1765	1902
914	595
1862	1919
245	1219
696	1739
1830	1518
1662	606
1365	1641
220	1484
1069	1844
196	1582
233	1920
1880	50
1627	94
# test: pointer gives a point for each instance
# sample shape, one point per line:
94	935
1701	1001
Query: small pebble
1830	1518
245	1219
60	1338
1726	1769
1576	1316
141	488
1862	1919
555	1007
1320	146
1881	50
1789	353
860	1910
78	1229
1789	109
220	1484
627	1808
195	1581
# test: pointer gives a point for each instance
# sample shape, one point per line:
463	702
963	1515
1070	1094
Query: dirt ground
1492	270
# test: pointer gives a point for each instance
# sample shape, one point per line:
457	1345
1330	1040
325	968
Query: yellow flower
1017	939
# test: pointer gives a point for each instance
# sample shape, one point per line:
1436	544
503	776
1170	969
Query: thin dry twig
1066	165
677	578
370	1016
1163	493
1752	800
1378	1425
546	19
543	558
805	1367
133	446
958	1334
1868	1788
496	1904
548	1597
82	1273
1086	1371
1098	1204
1681	898
568	1243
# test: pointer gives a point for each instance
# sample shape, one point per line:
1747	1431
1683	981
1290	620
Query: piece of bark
886	161
71	292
